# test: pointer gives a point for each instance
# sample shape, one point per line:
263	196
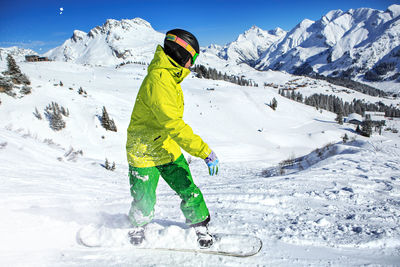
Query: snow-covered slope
339	209
112	43
362	43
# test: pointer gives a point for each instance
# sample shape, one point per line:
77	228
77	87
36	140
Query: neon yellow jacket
157	131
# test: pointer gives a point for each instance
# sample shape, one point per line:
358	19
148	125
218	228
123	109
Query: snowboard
170	238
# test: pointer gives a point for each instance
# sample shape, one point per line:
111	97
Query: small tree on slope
106	122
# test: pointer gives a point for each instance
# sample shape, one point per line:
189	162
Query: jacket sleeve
165	107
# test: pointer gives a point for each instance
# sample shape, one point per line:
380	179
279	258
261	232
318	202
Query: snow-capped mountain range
340	43
251	45
112	43
363	44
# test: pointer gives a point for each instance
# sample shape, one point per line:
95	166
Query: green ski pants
143	182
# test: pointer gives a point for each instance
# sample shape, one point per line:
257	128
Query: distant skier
157	133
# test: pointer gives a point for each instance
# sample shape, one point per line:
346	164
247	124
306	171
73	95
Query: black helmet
181	45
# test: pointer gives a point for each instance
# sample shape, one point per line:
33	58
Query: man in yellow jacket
157	133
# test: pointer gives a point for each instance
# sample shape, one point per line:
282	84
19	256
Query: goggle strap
183	43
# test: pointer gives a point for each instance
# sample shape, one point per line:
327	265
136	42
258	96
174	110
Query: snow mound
318	156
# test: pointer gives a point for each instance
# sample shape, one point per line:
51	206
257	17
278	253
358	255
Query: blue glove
212	163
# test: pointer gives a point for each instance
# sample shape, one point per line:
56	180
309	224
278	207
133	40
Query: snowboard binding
136	235
204	238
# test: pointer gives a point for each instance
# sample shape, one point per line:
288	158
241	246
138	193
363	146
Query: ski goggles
184	44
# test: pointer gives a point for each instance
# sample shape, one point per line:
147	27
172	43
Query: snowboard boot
204	238
136	235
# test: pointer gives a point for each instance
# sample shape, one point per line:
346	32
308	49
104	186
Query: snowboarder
157	133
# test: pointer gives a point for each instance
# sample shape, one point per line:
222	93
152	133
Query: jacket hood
163	61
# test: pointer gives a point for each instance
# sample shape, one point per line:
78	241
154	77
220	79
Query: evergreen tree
15	73
113	166
109	167
12	66
345	138
339	118
106	122
299	98
6	85
292	95
366	129
54	115
274	104
105	119
37	114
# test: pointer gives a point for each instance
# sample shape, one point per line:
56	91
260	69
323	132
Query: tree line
337	105
348	83
211	73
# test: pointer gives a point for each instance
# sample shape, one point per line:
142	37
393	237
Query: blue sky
40	26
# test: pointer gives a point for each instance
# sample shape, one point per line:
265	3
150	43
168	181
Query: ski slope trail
336	206
344	210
